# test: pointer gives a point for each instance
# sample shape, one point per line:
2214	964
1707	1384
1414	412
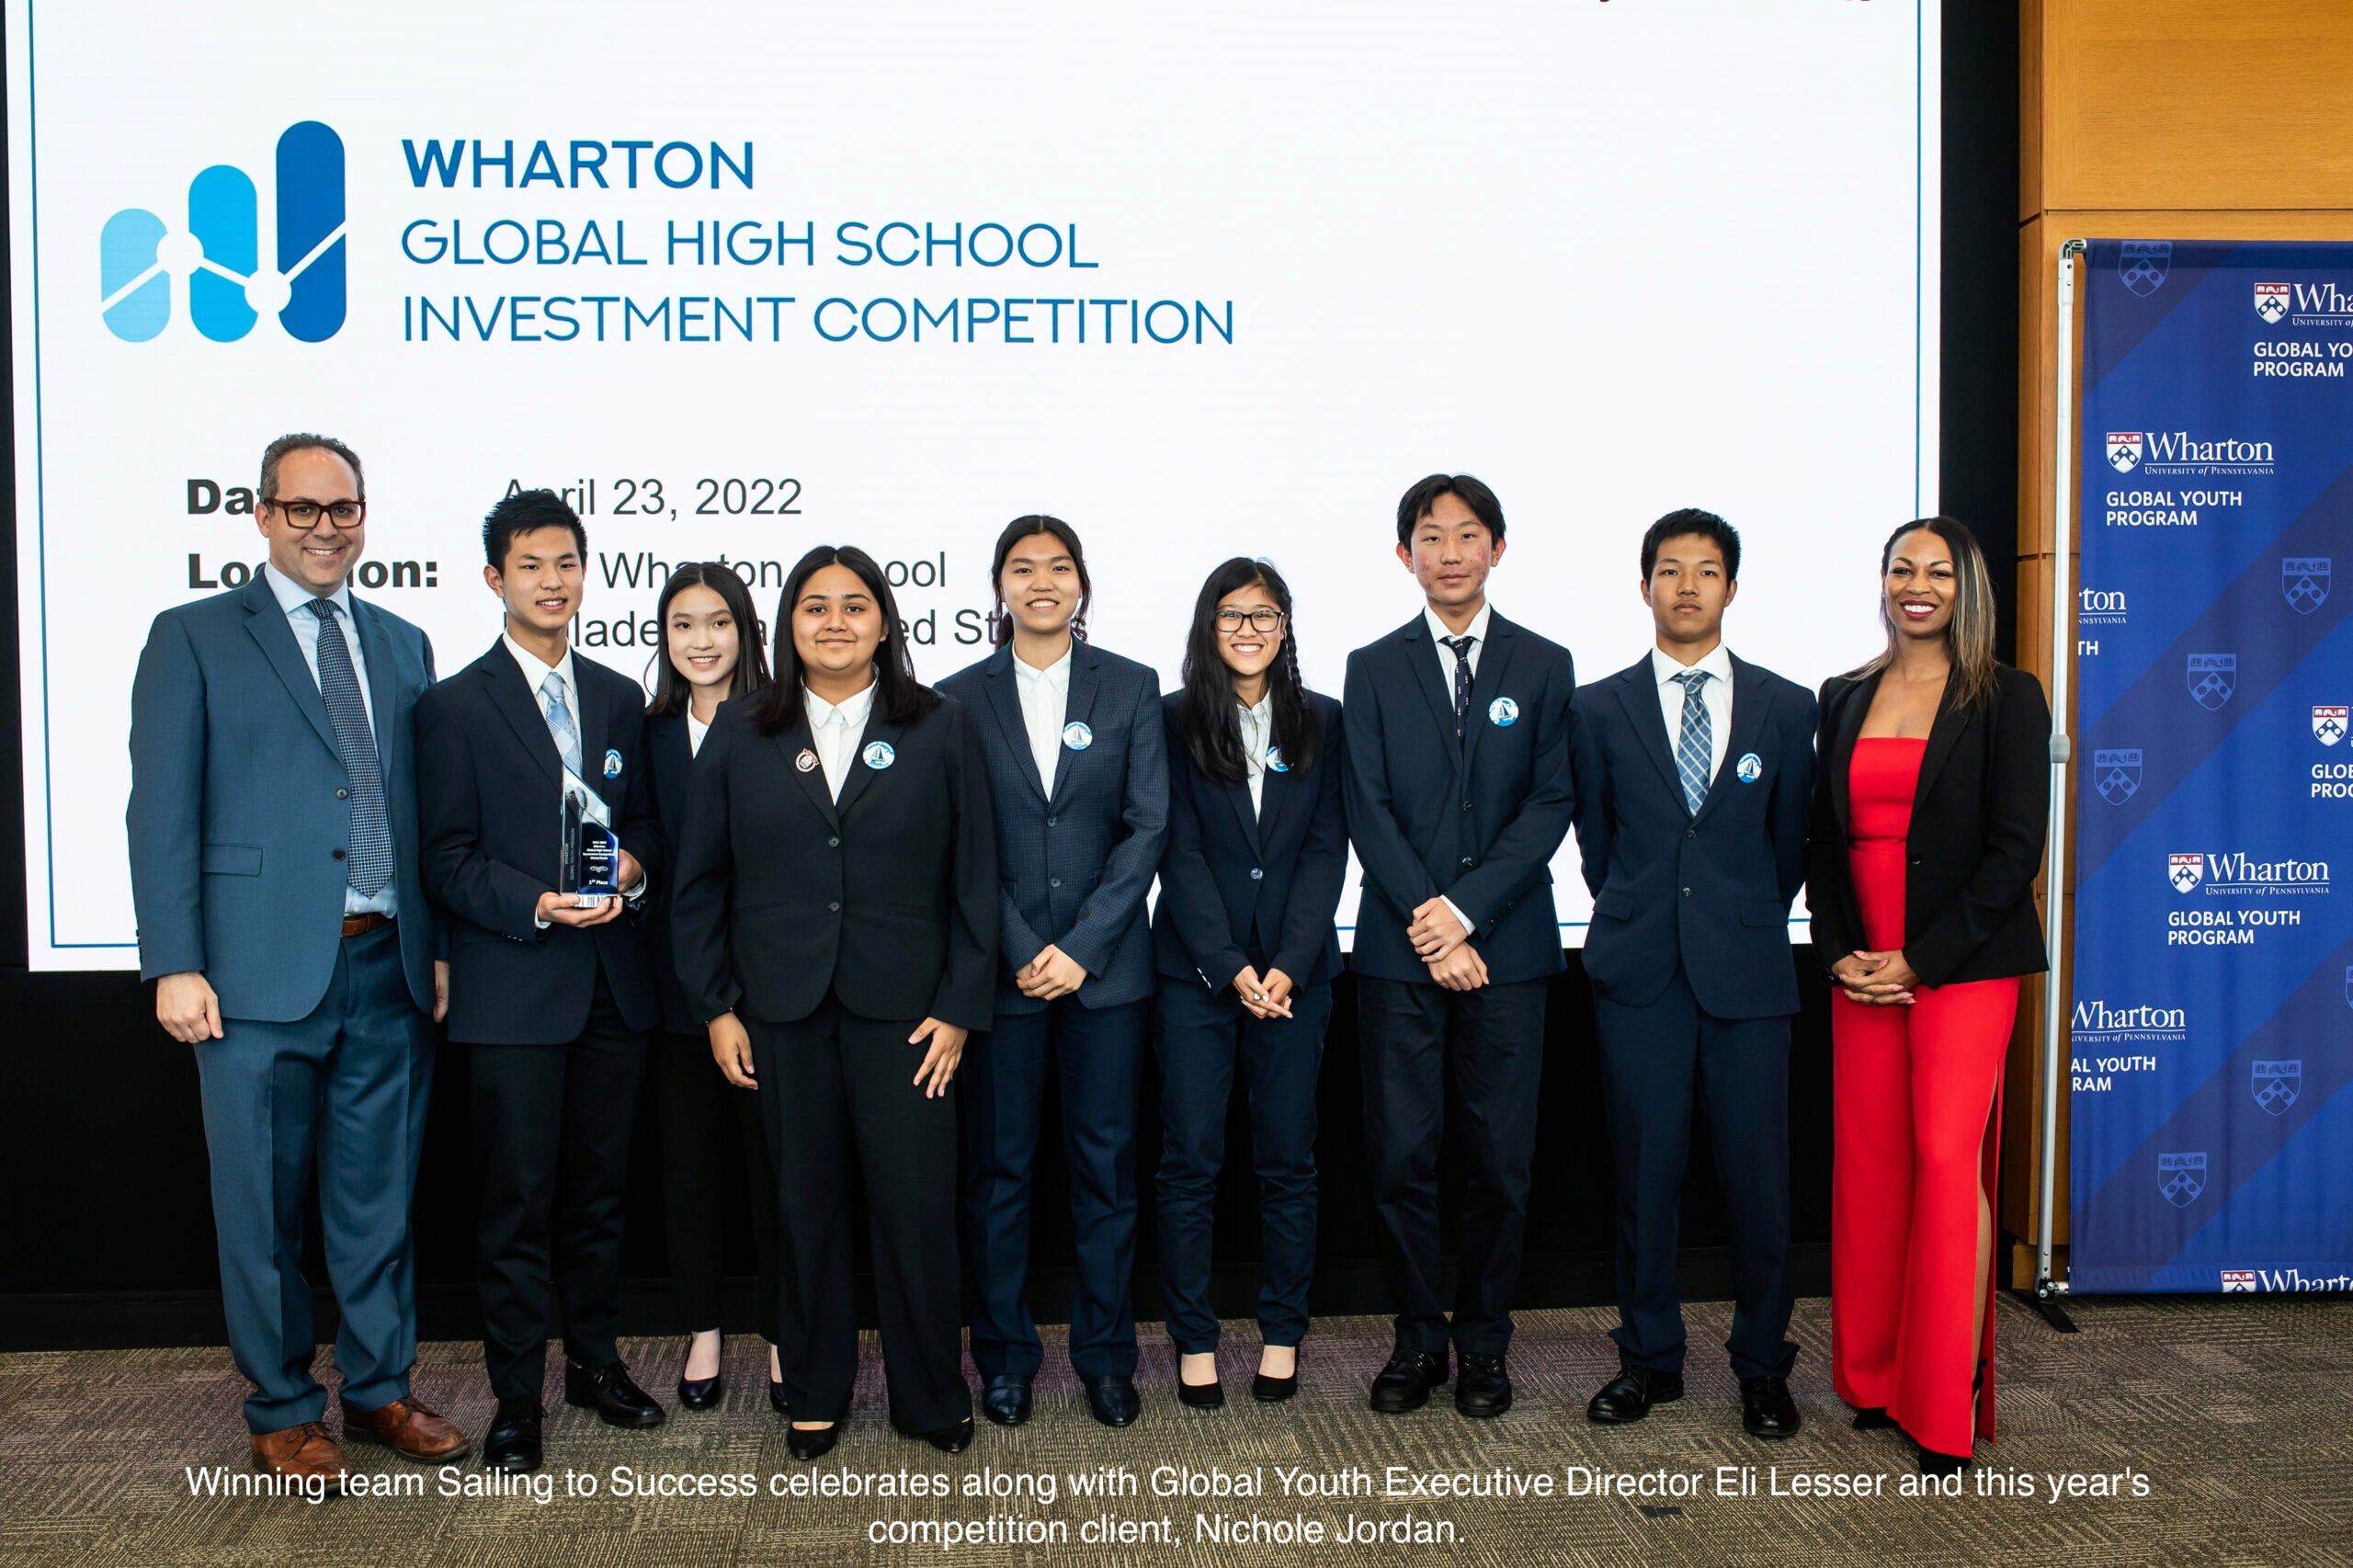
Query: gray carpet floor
2236	1417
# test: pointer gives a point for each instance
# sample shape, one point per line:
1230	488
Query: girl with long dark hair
1244	943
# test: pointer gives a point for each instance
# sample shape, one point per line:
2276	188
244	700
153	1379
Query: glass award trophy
590	865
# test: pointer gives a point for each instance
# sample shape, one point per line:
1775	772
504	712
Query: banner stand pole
2047	1290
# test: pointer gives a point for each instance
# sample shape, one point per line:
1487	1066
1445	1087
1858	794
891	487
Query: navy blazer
238	818
1075	863
1239	888
1714	887
489	783
1479	821
670	759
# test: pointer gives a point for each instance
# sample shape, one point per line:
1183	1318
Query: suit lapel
1840	761
266	618
513	699
1638	698
594	726
1422	654
1238	797
860	775
794	742
376	650
1004	703
1494	670
1951	722
1748	703
1077	709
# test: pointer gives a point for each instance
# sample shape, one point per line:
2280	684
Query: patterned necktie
560	724
369	859
1694	746
1460	647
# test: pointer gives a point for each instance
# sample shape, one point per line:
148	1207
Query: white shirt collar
1478	627
853	710
535	671
1261	712
293	596
1056	675
1718	664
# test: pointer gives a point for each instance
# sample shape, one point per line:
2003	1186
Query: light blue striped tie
560	724
1694	746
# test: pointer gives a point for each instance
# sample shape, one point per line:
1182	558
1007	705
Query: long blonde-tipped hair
1969	636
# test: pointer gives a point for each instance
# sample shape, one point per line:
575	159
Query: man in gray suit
274	868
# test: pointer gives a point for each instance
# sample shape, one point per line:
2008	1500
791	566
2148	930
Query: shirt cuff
1456	910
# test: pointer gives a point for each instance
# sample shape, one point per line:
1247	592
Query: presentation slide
1204	279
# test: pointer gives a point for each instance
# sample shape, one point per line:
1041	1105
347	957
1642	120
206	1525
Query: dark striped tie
1695	746
1460	647
370	859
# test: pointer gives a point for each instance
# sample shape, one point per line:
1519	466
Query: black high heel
1274	1390
701	1393
805	1443
1210	1395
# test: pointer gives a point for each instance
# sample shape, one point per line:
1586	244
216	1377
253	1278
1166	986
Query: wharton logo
2212	677
2311	304
2094	1022
2117	775
2237	1281
220	253
2181	452
2235	872
2181	1177
2304	580
2142	265
2277	1085
2124	448
2328	724
2185	871
2271	301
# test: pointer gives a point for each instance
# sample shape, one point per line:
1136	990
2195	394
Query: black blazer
670	759
1712	887
887	899
488	779
1978	821
1258	890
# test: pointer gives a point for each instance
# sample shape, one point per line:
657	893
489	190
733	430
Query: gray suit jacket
237	832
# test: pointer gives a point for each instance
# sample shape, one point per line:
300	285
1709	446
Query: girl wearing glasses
1243	939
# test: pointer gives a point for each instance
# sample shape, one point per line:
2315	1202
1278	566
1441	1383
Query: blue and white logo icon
877	755
220	252
2142	265
613	764
2213	678
2278	1084
2181	1177
2304	580
1275	762
1502	713
2117	775
1750	768
1077	736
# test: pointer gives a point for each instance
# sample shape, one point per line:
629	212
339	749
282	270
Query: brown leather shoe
301	1453
407	1429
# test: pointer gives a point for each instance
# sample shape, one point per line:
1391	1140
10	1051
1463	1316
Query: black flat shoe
1482	1387
951	1440
1405	1382
1630	1395
608	1392
1006	1400
813	1443
1112	1398
512	1444
1874	1419
1935	1464
1766	1408
1210	1395
1274	1390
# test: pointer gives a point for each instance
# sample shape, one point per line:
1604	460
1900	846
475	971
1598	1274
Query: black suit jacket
670	759
1712	887
887	898
1239	888
488	783
1975	843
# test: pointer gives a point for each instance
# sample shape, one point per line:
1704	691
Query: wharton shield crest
2277	1085
2142	265
2181	1177
2124	448
2185	871
2328	723
2271	303
2213	678
2117	775
2304	580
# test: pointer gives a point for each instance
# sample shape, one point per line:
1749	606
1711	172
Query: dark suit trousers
551	1133
1203	1035
837	1094
1098	1055
1655	1061
347	1085
1490	1041
701	1113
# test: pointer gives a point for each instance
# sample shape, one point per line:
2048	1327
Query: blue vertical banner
2212	1006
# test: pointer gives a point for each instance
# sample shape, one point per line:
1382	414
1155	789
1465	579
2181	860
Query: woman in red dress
1929	821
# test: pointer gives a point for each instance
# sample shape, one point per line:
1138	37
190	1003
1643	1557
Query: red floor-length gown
1917	1109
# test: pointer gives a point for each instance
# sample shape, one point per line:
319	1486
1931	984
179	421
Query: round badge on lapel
806	762
1502	713
1750	768
877	755
1275	762
613	764
1077	736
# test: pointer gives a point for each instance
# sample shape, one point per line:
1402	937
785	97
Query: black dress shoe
804	1443
512	1444
608	1392
1766	1408
1935	1464
1873	1419
1405	1384
1274	1390
1630	1395
700	1393
777	1401
951	1440
1210	1395
1482	1387
1006	1400
1112	1398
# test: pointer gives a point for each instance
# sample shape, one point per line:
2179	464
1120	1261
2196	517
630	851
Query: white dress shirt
696	731
295	599
836	728
535	671
1715	695
1477	630
1257	733
1045	700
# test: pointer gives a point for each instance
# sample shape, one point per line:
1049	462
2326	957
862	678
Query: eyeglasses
1229	622
305	515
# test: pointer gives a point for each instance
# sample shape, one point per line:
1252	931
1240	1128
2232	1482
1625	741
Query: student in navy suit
1257	851
1459	792
1695	778
712	652
274	872
555	990
1078	762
